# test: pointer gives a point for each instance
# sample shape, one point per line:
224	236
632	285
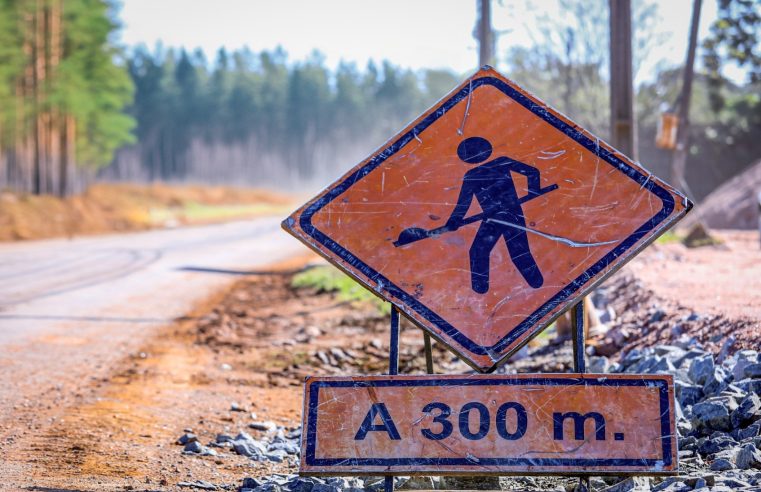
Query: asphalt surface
69	309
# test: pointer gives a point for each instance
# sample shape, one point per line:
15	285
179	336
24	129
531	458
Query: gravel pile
279	444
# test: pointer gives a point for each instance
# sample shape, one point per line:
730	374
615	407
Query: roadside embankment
105	208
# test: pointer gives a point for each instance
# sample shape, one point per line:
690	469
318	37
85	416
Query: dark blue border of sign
383	283
311	434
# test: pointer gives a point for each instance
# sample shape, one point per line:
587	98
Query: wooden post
623	127
485	34
679	162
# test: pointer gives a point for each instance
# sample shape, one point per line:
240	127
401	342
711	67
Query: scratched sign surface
487	217
528	423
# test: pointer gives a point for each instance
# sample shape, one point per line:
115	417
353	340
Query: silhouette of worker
492	185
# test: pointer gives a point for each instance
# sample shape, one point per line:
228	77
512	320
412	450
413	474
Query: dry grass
107	208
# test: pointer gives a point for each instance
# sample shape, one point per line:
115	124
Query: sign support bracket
579	359
393	369
578	315
428	353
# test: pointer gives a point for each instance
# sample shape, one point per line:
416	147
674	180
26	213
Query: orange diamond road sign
487	217
525	423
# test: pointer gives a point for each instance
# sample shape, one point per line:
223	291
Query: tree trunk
57	121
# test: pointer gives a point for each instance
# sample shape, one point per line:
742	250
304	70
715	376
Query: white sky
410	33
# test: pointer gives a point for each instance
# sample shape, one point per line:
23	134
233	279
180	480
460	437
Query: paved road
69	309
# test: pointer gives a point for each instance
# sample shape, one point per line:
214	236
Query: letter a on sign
487	217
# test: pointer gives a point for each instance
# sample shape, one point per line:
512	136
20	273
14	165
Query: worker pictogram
487	217
491	184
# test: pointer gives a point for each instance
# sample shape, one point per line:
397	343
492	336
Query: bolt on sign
527	423
487	217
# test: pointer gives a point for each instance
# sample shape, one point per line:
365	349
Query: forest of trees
62	93
72	103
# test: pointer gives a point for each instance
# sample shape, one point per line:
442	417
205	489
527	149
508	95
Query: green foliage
735	37
89	82
11	65
330	279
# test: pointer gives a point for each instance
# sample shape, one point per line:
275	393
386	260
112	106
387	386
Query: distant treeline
256	118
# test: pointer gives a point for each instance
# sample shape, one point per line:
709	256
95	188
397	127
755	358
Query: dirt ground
723	279
252	345
105	208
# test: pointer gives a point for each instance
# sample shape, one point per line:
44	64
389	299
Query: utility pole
623	128
485	34
679	162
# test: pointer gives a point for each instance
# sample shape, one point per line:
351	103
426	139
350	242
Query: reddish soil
722	280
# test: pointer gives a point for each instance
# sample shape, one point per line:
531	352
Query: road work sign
527	423
487	217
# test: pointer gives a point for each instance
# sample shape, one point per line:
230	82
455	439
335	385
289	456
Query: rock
749	385
630	484
671	352
747	412
246	445
186	438
686	393
734	483
688	357
698	481
294	434
276	456
749	432
671	484
198	484
251	483
263	426
267	487
711	415
741	360
234	407
717	442
748	457
752	371
193	447
683	427
287	447
470	483
721	464
689	443
419	483
701	368
222	438
598	364
657	315
716	381
725	348
664	365
300	484
323	487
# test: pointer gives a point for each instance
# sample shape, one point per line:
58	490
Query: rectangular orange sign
526	424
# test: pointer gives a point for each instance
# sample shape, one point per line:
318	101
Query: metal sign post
393	370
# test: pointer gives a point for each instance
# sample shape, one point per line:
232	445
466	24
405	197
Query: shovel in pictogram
415	234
